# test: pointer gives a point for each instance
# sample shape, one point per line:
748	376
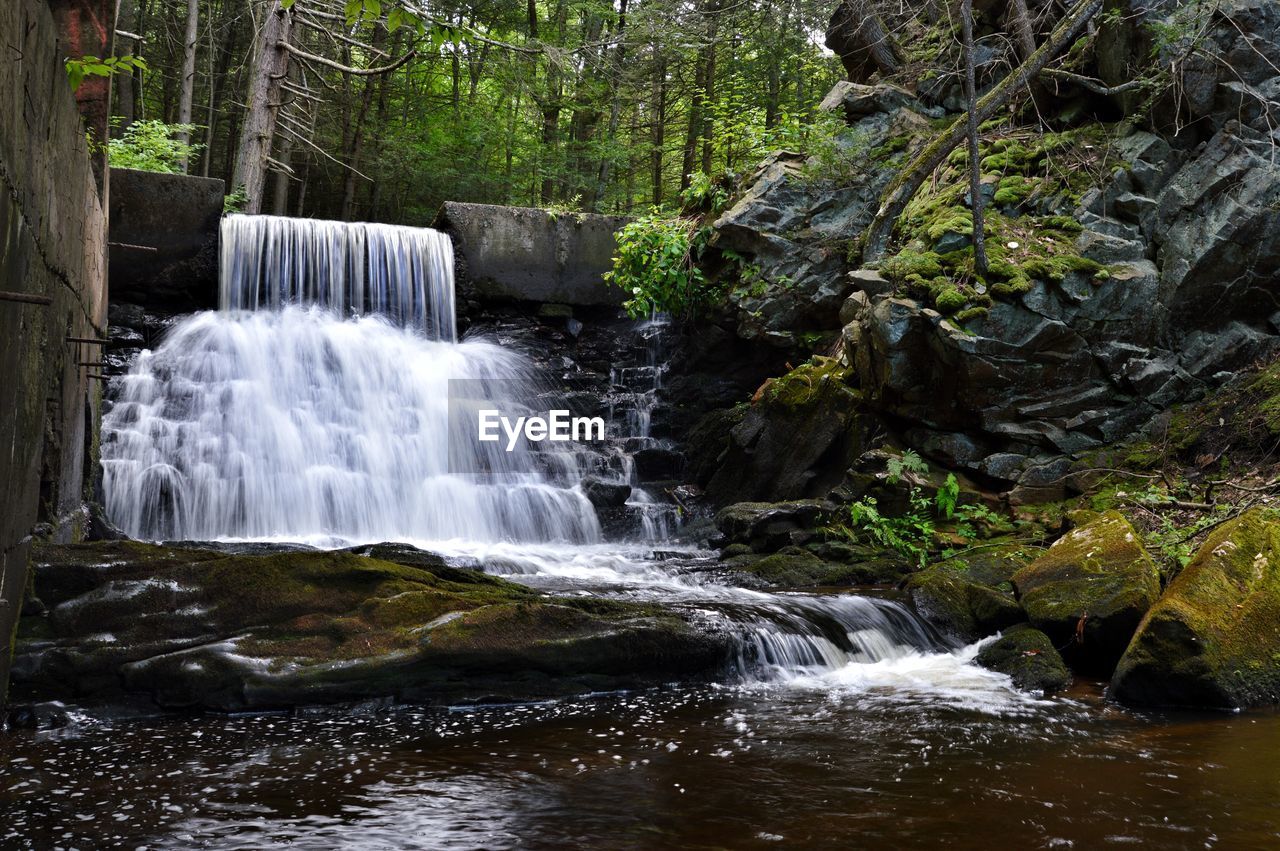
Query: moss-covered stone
1029	658
1089	591
968	599
197	628
1213	639
794	567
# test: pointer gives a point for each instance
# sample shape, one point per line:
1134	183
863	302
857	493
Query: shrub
151	146
655	264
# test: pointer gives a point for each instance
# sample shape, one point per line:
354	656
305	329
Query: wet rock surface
200	629
1028	656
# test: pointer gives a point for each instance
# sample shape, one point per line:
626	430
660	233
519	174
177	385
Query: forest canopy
389	108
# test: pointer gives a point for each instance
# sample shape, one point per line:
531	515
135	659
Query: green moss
1022	246
971	314
950	300
1029	658
1014	189
1090	589
924	265
793	567
1212	639
961	603
805	383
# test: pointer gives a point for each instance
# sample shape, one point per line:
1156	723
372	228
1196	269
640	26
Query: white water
295	424
401	273
291	415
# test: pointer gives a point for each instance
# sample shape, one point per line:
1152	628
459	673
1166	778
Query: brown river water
765	766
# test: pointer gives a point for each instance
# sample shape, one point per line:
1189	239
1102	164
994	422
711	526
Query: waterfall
404	274
329	402
294	414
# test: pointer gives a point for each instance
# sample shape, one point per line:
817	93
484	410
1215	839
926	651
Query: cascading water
401	273
315	407
281	418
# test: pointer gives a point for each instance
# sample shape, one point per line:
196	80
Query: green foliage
947	496
908	535
705	194
906	463
92	66
151	146
234	201
911	534
655	265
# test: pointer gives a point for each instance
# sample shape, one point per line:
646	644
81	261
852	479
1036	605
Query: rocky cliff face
1134	263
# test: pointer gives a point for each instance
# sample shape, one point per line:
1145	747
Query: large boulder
198	629
1029	658
1089	591
790	226
795	567
1213	639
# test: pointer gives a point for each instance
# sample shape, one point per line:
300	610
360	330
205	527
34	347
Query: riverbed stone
796	567
200	629
603	494
1213	639
967	601
1089	591
768	525
1028	656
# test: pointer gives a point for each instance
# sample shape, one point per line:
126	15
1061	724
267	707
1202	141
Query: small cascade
401	273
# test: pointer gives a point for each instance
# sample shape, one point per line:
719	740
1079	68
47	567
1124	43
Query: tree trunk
693	134
280	206
658	111
975	166
1019	24
709	87
858	36
357	136
127	18
615	109
187	93
270	66
903	188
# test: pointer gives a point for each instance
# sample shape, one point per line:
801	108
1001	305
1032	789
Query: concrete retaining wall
164	239
53	255
527	254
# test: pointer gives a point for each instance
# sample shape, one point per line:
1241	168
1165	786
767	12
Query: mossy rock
961	603
1213	639
203	629
793	567
1029	658
1090	590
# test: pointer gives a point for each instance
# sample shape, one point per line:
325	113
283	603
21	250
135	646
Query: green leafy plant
92	66
705	193
911	533
656	264
235	200
572	207
151	146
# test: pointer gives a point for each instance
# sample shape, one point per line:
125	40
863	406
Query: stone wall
164	239
527	254
52	289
